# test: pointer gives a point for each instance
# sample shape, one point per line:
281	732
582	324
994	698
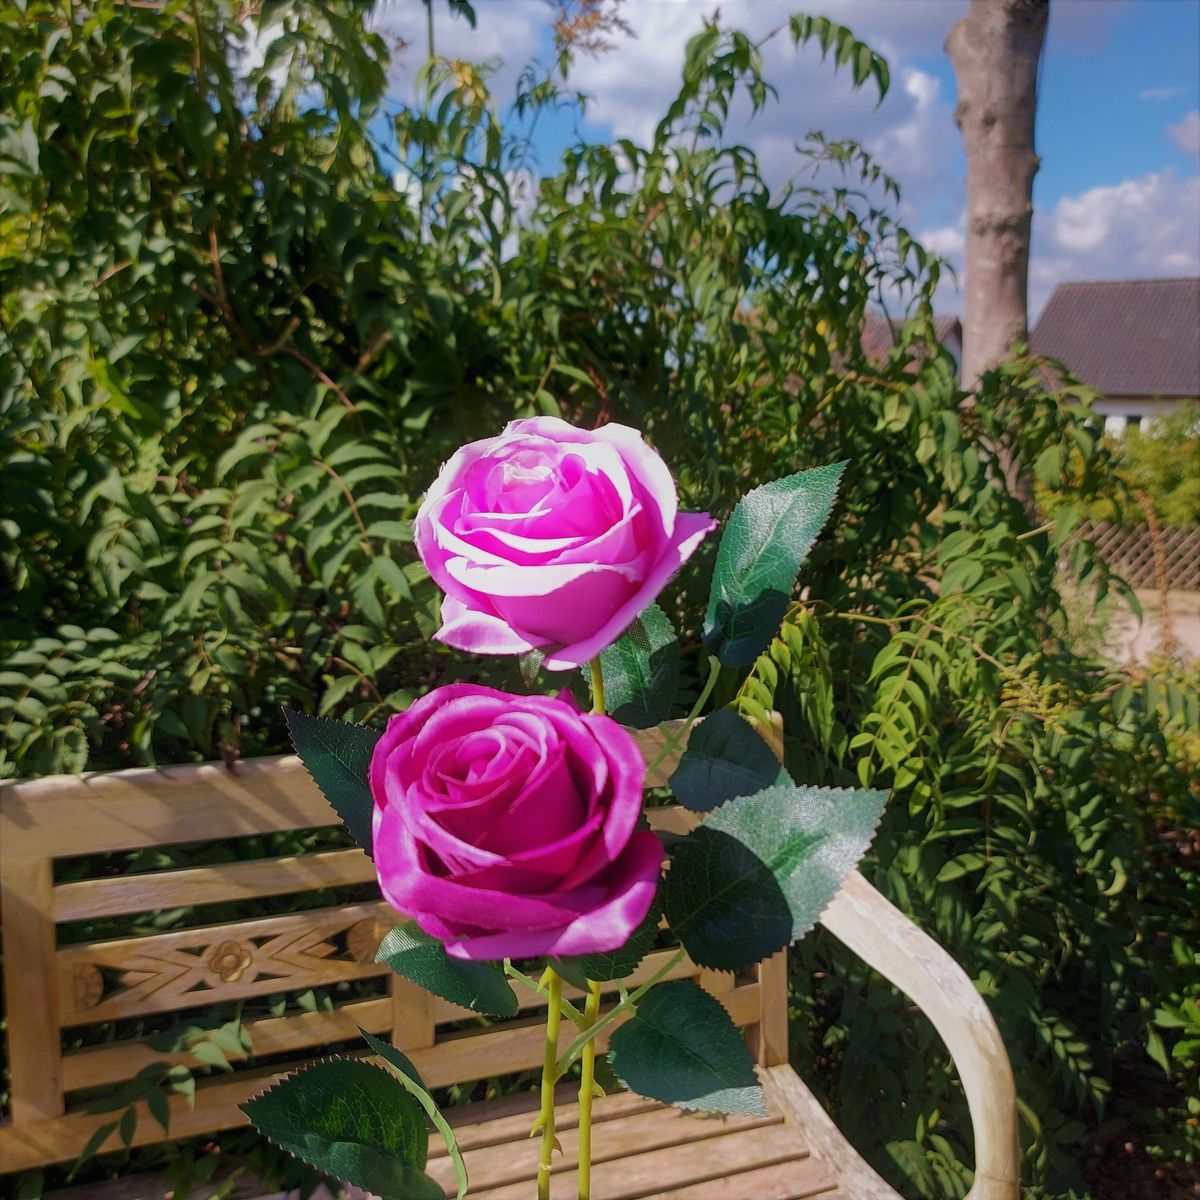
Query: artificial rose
504	825
553	538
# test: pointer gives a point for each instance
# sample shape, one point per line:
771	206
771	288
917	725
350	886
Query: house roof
1137	337
878	333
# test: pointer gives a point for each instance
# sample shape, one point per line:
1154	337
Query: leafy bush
1157	464
232	354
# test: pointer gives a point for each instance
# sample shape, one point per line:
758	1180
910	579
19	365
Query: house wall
1121	411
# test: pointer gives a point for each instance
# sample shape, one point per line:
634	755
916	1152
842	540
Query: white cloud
507	34
948	241
1186	133
1160	93
1139	228
911	133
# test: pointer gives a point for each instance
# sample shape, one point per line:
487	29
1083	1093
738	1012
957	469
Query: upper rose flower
504	825
553	538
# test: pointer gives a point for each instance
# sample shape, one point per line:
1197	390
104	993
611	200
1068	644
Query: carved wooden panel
224	962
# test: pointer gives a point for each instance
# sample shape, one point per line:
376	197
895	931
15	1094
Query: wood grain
65	815
34	1046
210	964
883	937
89	899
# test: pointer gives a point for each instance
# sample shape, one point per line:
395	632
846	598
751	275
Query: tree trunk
995	51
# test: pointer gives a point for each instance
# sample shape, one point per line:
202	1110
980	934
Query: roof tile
1138	337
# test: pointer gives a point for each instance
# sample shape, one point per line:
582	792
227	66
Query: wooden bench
641	1149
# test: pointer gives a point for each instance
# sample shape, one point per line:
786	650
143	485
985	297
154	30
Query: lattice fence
1129	550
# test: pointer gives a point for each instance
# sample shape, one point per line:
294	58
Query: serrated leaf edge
288	714
278	1083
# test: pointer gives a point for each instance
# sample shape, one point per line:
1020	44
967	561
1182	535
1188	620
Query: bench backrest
55	987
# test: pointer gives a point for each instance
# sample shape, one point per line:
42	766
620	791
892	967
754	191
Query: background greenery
1159	463
233	352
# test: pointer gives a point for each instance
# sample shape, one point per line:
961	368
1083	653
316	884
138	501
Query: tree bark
995	50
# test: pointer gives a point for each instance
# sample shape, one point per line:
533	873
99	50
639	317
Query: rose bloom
504	825
553	538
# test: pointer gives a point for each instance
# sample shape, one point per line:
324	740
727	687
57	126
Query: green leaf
98	1138
411	1080
766	539
756	875
353	1121
641	671
479	986
682	1048
338	757
725	758
615	964
1048	467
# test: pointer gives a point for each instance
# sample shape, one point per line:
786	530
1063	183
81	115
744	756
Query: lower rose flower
505	825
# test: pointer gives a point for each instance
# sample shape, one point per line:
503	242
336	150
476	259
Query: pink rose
504	825
553	538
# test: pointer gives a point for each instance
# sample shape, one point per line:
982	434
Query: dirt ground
1130	642
1124	1171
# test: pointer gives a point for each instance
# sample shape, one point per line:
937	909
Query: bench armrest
884	938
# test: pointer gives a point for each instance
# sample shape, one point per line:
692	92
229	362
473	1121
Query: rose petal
467	628
606	926
690	529
647	467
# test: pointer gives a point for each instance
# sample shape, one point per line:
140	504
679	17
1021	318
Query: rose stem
587	1088
615	1014
597	686
549	1078
591	1009
672	741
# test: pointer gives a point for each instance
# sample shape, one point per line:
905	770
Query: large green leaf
682	1048
353	1121
767	537
725	758
338	756
410	1079
641	671
479	986
759	871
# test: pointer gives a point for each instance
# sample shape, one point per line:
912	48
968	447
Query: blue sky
1105	102
1118	193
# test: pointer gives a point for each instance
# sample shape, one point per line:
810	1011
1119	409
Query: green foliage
770	533
641	671
1162	461
724	758
682	1048
1157	464
756	874
352	1121
338	757
402	1068
478	986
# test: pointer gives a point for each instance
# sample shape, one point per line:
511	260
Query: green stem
587	1088
597	686
549	1079
674	740
567	1009
615	1014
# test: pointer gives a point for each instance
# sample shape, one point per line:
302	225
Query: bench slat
89	899
678	1168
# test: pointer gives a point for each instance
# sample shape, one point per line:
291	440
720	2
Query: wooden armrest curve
884	938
